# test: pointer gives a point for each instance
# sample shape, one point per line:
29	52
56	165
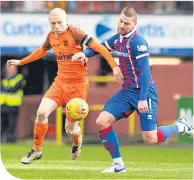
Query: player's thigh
55	93
47	106
148	119
119	106
83	89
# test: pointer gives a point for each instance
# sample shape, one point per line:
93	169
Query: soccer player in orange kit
71	80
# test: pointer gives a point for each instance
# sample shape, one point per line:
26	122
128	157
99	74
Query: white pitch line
59	167
103	179
101	162
50	167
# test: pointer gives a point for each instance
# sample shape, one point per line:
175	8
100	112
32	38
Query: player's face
126	24
58	23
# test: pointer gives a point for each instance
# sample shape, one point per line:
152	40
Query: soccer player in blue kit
138	91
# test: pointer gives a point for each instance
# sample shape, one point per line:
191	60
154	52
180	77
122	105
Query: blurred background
166	25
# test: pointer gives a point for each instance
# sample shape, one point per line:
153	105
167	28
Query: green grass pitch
143	162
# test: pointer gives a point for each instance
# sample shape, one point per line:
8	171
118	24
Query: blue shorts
125	102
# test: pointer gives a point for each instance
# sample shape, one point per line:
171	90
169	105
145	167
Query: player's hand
118	75
78	57
13	62
142	106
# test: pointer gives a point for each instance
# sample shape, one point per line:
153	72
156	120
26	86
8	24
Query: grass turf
143	162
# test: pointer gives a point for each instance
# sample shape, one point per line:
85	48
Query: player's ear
67	21
135	22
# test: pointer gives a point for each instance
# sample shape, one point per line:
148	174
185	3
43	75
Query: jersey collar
129	34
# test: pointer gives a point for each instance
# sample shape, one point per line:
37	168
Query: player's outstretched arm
35	55
145	79
88	52
96	46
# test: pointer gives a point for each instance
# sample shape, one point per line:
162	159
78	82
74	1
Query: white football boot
115	168
188	129
31	156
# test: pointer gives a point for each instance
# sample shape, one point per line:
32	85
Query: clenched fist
118	75
13	62
80	56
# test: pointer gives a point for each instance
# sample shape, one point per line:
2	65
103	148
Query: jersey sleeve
47	45
90	52
109	44
80	36
140	50
139	47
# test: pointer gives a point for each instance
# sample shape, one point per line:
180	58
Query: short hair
129	12
57	11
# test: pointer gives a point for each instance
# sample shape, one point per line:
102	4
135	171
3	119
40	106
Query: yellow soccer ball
77	109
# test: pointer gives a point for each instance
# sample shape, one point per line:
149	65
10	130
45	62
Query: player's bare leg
163	133
73	130
40	128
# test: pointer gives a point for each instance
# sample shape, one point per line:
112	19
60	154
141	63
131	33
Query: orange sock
39	133
77	140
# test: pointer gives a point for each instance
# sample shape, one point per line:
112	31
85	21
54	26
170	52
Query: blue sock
169	131
110	141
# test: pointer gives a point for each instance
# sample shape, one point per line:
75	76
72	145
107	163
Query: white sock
119	161
180	126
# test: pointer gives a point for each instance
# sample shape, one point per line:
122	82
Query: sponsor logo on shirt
64	57
142	48
119	54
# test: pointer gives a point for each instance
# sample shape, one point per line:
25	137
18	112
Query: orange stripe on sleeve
35	55
96	46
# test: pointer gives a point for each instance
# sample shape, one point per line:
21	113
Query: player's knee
150	140
72	131
41	116
99	122
68	131
103	122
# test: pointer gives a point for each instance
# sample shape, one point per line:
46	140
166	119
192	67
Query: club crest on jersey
142	48
65	43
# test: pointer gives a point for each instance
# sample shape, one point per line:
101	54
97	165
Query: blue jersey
129	49
133	53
